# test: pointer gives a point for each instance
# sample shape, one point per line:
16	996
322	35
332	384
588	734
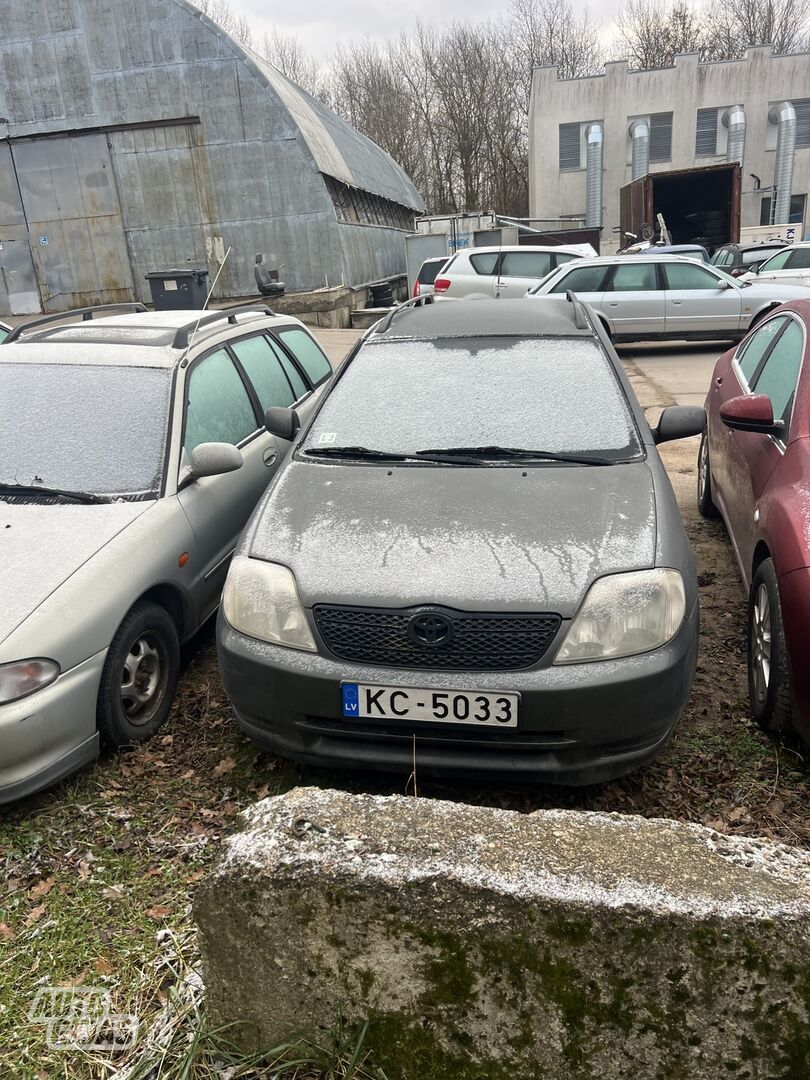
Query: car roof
568	248
137	338
610	260
542	317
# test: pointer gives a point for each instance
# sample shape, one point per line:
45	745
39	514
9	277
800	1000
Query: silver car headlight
260	599
625	614
24	677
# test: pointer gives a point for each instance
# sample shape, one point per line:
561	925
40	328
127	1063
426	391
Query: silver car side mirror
214	458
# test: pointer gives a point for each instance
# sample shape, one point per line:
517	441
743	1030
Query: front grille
476	641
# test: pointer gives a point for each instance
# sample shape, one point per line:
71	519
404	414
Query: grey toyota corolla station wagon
473	560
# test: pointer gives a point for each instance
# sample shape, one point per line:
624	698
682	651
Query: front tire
769	688
139	679
705	503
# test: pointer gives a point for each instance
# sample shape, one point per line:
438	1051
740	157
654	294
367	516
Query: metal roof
543	317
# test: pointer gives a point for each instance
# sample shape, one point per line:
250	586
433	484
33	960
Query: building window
661	136
570	147
362	208
797	204
706	133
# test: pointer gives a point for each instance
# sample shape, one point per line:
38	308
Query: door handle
270	456
676	303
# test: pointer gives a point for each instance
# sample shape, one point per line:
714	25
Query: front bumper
50	733
580	724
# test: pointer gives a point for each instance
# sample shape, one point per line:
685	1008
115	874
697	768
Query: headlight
625	614
260	599
23	677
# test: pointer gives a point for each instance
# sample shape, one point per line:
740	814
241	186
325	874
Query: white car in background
790	266
507	272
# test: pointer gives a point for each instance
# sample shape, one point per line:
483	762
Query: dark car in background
739	259
754	470
473	563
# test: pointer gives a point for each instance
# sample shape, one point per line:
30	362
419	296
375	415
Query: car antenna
210	294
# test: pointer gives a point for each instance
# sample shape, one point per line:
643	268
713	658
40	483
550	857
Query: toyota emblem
430	628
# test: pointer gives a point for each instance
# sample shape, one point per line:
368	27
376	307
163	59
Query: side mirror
283	423
754	269
751	412
680	422
212	459
723	285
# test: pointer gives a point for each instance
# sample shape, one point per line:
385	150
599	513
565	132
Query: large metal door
18	283
74	220
632	209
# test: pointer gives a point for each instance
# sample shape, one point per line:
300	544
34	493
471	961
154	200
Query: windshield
558	395
84	428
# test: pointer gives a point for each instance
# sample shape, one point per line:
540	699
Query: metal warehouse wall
755	82
139	137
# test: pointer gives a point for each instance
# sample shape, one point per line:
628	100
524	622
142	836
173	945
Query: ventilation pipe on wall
784	115
594	142
640	135
734	120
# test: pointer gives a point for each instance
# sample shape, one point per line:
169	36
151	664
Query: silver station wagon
133	449
472	562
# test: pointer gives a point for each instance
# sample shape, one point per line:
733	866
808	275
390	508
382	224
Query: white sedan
790	266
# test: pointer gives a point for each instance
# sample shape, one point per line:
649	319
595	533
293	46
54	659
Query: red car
754	470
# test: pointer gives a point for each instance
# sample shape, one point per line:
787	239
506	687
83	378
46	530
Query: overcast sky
322	24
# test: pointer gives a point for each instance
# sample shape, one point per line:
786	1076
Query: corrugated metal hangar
140	137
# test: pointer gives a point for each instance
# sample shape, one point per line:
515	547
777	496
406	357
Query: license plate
475	707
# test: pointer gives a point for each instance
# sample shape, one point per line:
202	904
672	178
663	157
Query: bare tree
285	52
650	34
221	12
733	25
548	32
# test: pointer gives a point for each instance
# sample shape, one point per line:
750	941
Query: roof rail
86	313
181	337
416	301
581	320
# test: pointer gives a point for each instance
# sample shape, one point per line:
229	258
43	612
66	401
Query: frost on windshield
553	394
84	427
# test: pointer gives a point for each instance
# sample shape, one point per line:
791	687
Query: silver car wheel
143	679
761	640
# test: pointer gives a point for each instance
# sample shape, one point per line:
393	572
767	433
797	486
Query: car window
429	271
265	372
777	262
218	408
564	257
723	258
799	259
781	371
291	371
689	276
307	352
754	347
485	262
526	264
633	277
84	427
556	394
3	333
581	279
757	255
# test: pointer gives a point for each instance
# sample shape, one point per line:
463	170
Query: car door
759	455
221	406
732	377
797	267
633	300
519	271
586	281
699	300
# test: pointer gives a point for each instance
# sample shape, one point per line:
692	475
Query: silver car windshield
84	428
553	394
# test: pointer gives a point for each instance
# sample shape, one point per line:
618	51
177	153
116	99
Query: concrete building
139	136
625	123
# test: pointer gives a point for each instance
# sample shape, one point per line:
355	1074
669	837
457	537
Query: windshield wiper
493	453
358	452
61	493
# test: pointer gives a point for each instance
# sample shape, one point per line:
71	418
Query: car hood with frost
42	546
498	539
